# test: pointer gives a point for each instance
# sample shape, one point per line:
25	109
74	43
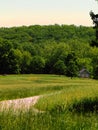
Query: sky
46	12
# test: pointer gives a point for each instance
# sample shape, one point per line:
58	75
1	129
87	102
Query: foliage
42	49
59	68
72	65
37	65
25	62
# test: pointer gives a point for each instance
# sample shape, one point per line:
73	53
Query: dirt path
18	104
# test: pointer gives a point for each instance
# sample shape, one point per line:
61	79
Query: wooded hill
57	49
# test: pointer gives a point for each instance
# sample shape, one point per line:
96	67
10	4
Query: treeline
55	49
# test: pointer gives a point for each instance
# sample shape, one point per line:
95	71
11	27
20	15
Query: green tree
72	65
10	59
15	59
85	62
37	65
59	52
95	75
26	60
59	68
5	48
29	47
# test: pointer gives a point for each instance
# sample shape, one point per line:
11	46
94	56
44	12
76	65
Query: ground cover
66	104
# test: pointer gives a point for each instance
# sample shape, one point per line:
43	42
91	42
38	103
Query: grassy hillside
68	104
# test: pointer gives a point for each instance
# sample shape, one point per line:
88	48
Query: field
65	103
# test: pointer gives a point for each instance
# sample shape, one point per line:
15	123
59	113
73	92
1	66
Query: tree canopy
57	49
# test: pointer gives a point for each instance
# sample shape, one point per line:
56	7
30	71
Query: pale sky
45	12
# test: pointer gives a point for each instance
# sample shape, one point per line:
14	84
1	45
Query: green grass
68	104
18	86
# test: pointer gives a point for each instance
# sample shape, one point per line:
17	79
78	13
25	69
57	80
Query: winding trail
23	104
19	104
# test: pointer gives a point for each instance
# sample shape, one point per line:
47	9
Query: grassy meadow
66	104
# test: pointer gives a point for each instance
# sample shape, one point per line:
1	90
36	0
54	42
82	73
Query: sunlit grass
68	95
18	86
66	104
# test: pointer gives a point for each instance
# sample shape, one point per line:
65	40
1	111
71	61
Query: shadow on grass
85	105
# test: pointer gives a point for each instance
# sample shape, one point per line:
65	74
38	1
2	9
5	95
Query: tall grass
66	104
19	86
47	121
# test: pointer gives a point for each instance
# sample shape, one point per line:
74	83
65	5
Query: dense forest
55	49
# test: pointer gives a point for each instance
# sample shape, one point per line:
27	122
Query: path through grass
65	103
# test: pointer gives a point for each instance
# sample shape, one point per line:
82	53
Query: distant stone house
84	73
